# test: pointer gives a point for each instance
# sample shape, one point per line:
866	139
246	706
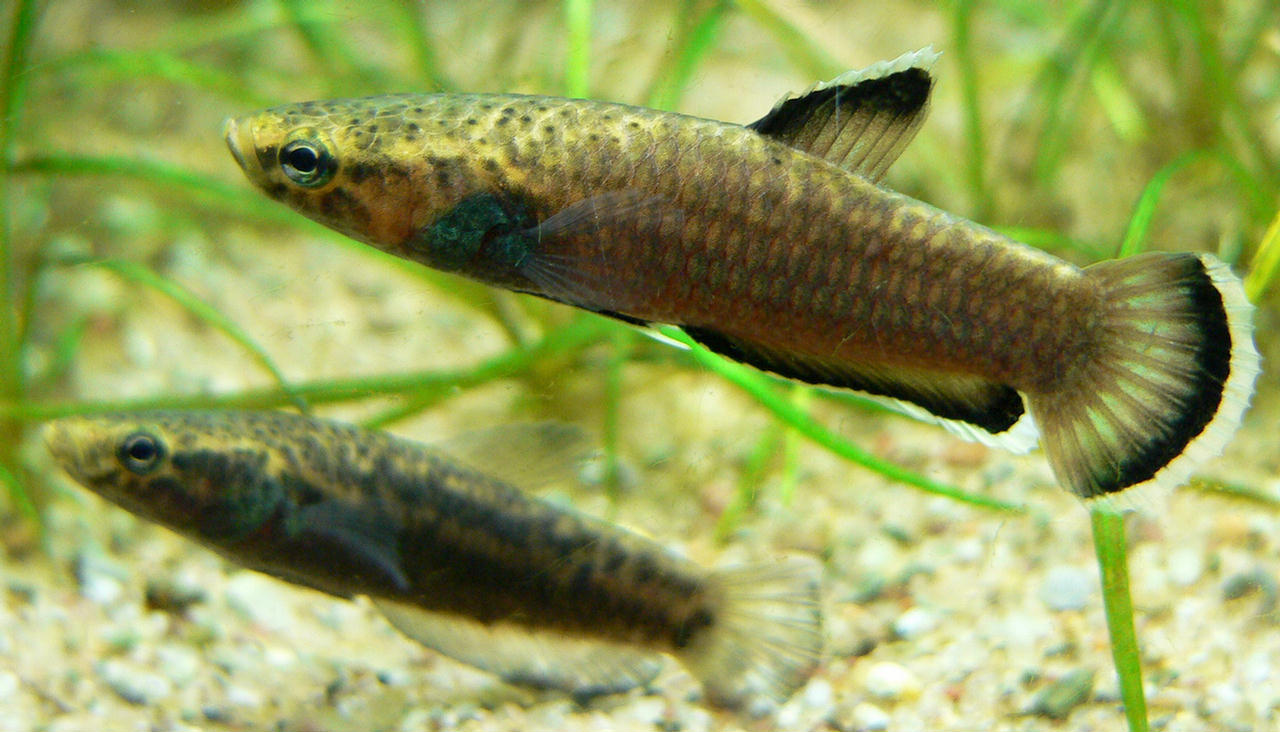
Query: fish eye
307	163
141	453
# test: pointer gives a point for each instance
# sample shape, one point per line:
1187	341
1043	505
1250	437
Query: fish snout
237	133
60	443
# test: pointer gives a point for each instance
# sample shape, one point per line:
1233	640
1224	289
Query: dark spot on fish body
692	626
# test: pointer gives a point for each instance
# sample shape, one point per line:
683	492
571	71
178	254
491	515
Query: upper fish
776	244
455	556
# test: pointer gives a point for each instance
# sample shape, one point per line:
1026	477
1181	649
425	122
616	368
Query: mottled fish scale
773	244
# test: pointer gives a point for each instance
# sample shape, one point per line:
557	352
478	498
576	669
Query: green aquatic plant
1087	75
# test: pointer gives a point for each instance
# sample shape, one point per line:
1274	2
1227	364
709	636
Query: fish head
380	169
184	470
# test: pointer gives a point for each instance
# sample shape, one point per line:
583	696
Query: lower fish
455	557
775	244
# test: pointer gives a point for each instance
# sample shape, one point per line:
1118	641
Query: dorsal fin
860	120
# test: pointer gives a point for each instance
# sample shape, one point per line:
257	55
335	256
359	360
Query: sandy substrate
940	616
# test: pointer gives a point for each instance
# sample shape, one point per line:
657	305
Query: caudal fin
1168	380
766	640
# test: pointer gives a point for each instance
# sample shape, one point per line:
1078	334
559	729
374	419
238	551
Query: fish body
774	244
456	558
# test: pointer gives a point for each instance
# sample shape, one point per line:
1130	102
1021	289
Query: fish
777	244
456	557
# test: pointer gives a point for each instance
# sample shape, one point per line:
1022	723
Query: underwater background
141	270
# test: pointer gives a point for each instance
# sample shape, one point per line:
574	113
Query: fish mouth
237	134
60	443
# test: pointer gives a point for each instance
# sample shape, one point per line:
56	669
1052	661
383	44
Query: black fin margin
987	405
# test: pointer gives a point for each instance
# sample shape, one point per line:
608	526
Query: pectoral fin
861	120
584	668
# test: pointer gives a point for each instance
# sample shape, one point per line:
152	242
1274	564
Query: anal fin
981	409
527	657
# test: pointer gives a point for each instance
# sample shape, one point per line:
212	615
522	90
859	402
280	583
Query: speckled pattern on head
773	244
351	511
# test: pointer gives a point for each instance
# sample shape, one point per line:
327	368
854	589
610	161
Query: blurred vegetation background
140	270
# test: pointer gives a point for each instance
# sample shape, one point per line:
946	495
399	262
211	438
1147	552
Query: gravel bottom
940	616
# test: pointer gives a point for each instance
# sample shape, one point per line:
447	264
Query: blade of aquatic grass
136	64
13	80
974	130
142	275
1144	211
1266	262
1113	567
1224	93
803	52
327	48
763	391
749	481
1255	28
577	59
13	83
572	337
412	19
1073	59
1236	491
18	493
801	397
690	48
622	341
1117	102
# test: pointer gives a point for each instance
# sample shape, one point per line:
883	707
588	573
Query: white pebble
818	694
891	681
8	684
132	684
1186	564
178	663
1068	588
869	717
914	623
261	600
241	696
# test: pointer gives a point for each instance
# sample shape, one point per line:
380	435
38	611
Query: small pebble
860	717
818	694
1068	588
242	696
1057	700
134	685
260	600
890	681
100	581
178	663
173	594
1186	565
914	623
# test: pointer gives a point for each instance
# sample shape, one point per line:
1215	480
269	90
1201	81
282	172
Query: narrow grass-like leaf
134	65
411	19
1223	92
789	477
142	275
1122	110
1266	262
804	53
623	340
974	131
749	481
582	332
18	493
577	59
694	41
1113	566
1236	491
1090	35
1135	236
763	391
13	80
